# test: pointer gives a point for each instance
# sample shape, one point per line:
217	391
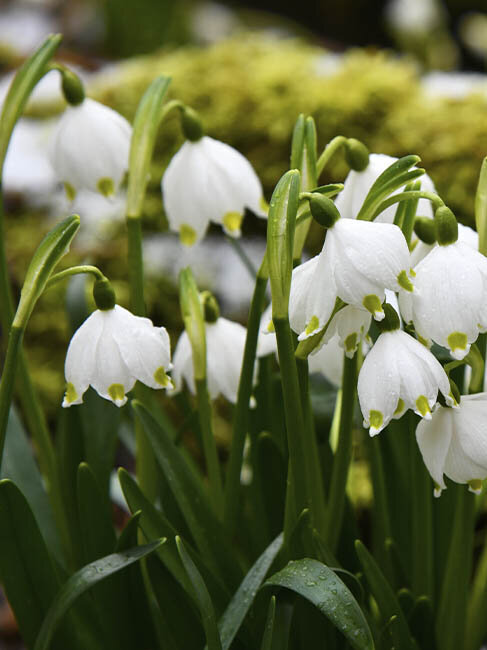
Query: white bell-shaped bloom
454	442
111	351
449	306
90	148
466	235
350	325
205	181
358	184
225	342
399	373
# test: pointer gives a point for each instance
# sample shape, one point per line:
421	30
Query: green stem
331	148
382	524
135	266
300	473
477	606
402	196
240	418
311	448
74	270
7	381
209	445
343	455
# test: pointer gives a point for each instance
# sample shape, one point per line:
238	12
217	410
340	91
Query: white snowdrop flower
90	148
454	443
466	235
225	342
351	326
357	186
414	16
205	181
111	351
449	306
398	373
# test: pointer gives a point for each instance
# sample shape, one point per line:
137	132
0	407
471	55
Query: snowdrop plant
245	511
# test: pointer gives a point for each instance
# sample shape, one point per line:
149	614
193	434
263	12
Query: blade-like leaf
202	598
81	581
269	625
322	587
244	597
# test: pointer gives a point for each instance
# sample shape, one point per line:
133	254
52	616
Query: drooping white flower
450	304
205	181
350	325
111	351
454	442
399	373
358	184
90	148
225	342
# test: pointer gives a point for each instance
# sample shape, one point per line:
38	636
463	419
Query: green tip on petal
376	420
232	222
404	281
106	186
351	343
70	191
373	304
423	407
264	206
117	393
400	408
436	489
475	485
270	326
457	341
71	394
161	377
313	325
187	235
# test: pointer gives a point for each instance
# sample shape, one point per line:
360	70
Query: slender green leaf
24	81
81	581
207	531
383	593
202	598
20	466
422	624
241	602
324	589
269	625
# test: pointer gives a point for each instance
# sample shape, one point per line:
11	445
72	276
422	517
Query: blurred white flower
225	342
414	16
454	85
399	373
454	442
205	181
358	184
111	351
90	148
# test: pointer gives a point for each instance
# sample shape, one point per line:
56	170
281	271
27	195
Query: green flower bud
390	322
324	211
446	226
356	154
425	230
103	294
211	310
73	90
191	124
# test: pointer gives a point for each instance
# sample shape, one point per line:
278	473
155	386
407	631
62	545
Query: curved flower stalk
89	148
399	373
359	260
449	306
454	443
111	351
358	183
225	342
205	181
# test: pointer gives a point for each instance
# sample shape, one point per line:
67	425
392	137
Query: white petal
80	364
328	361
433	438
183	365
351	324
225	345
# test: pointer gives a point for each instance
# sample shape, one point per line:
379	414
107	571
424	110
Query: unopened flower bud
73	90
211	310
446	226
425	230
390	322
356	154
323	210
191	124
103	294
